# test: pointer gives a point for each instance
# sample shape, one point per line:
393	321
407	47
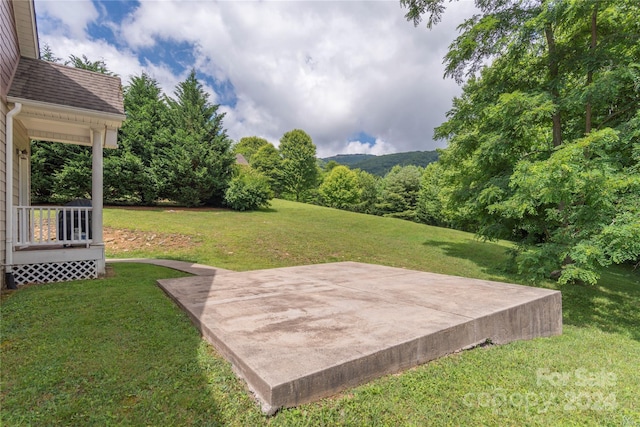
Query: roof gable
50	83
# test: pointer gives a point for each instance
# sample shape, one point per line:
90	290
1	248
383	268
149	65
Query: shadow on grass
610	306
267	210
489	257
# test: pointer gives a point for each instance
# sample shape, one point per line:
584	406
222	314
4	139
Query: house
44	101
240	160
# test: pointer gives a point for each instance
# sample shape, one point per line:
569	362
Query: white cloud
67	17
378	148
333	69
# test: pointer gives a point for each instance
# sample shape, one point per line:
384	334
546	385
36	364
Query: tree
248	146
598	223
340	188
542	141
46	54
46	159
299	171
147	115
368	184
73	180
85	63
268	161
127	180
430	207
196	161
330	165
399	192
128	171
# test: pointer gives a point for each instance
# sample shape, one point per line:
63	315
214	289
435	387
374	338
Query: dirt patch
168	208
120	240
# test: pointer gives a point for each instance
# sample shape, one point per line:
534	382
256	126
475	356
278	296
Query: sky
355	75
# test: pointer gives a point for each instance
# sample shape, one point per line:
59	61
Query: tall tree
430	208
299	171
147	115
128	171
196	161
268	161
368	184
46	54
518	164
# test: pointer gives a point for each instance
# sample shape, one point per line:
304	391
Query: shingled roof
43	81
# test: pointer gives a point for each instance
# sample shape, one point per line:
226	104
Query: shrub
248	190
340	188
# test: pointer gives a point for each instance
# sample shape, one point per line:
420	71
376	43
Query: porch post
96	195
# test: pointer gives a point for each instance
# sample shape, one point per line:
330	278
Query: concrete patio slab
301	333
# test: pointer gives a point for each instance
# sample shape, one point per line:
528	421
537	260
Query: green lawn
117	351
296	234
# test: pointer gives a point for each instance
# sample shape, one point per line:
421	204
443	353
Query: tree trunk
554	83
592	49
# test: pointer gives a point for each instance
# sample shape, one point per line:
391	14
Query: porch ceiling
52	123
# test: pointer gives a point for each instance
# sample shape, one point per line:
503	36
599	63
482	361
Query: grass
296	234
117	351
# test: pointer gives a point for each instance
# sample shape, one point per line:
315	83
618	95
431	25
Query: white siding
3	222
9	56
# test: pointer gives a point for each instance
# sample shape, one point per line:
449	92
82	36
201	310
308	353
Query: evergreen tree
399	191
128	171
430	209
195	161
368	184
46	54
85	63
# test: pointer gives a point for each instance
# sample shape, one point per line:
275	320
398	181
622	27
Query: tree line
169	148
172	149
176	150
293	172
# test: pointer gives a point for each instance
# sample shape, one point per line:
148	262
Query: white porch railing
52	225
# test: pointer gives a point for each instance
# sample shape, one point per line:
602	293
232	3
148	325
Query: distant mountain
380	165
349	159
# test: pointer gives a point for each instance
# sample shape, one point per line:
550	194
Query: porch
51	102
54	243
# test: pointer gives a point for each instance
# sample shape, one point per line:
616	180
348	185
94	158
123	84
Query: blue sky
355	75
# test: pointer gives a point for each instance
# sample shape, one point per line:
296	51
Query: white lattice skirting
55	272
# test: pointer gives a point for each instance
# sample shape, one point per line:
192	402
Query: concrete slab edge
183	266
256	385
422	350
